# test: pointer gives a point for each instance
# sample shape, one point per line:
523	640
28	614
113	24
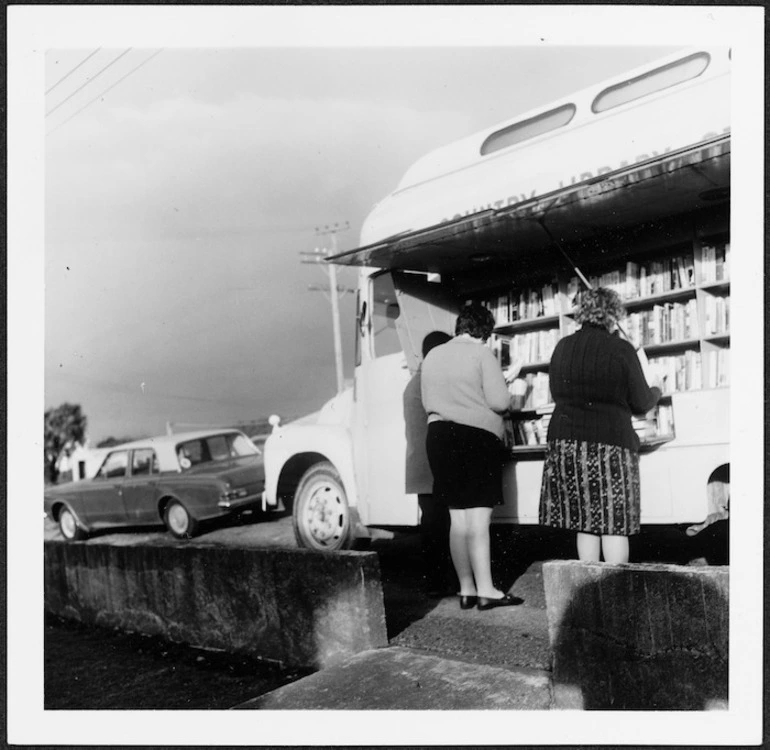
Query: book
723	367
708	264
530	434
632	280
719	263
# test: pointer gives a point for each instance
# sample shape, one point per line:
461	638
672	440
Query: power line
109	88
106	385
67	75
88	81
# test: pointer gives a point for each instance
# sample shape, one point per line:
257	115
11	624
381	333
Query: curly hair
475	320
600	307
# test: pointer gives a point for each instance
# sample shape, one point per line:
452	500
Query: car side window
218	448
192	452
143	462
114	466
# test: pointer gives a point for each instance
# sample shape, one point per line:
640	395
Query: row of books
716	315
635	280
717	365
715	262
527	431
645	279
680	372
655	424
533	346
525	304
671	321
536	389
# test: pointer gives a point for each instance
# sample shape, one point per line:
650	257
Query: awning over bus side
672	183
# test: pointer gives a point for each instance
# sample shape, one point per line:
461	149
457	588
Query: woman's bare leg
615	548
458	549
479	551
588	547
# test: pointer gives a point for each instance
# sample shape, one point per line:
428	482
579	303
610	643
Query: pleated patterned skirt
590	487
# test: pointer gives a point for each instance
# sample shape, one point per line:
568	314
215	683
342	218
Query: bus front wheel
321	514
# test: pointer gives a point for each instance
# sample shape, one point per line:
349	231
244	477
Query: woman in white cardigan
465	395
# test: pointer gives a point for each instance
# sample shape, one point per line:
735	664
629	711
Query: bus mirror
362	318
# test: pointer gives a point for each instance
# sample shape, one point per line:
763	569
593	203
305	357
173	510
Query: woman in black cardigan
591	473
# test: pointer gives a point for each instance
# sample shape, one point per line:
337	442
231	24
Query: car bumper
240	502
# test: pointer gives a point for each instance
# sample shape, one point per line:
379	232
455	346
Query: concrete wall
297	607
638	636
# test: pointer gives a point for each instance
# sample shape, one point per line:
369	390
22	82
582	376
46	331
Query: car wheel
69	527
321	514
179	522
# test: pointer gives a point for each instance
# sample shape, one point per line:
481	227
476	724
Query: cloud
199	169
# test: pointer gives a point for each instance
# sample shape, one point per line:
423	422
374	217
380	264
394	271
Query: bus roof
670	184
636	148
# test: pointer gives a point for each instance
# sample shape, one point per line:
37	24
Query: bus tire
321	514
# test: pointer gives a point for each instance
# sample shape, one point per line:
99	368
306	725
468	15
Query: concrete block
638	636
296	607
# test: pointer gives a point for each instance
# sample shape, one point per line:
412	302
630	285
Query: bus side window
652	81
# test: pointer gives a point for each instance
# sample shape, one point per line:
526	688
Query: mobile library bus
627	181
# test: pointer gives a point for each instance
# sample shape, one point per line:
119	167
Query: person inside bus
434	517
591	474
465	395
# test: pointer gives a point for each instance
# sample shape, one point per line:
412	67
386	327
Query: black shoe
509	600
468	602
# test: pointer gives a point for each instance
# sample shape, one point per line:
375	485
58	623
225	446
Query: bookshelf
678	309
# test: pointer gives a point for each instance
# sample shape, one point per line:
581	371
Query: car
177	480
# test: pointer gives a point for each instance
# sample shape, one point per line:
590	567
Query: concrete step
398	678
511	637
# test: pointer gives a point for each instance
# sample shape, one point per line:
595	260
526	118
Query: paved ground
92	668
95	668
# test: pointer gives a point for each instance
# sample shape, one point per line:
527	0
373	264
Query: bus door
391	339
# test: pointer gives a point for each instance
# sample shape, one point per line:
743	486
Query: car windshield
214	448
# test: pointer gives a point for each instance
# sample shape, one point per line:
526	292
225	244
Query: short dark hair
432	340
599	306
475	320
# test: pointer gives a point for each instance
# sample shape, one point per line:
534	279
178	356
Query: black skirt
590	487
467	465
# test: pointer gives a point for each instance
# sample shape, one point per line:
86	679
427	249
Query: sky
155	226
176	207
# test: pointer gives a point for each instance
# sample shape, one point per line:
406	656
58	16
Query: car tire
321	514
179	522
69	527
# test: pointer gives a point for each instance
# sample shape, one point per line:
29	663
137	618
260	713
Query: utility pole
318	257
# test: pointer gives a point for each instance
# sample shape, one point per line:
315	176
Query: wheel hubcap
68	525
177	519
325	515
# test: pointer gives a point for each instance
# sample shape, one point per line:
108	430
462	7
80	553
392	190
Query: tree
65	426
